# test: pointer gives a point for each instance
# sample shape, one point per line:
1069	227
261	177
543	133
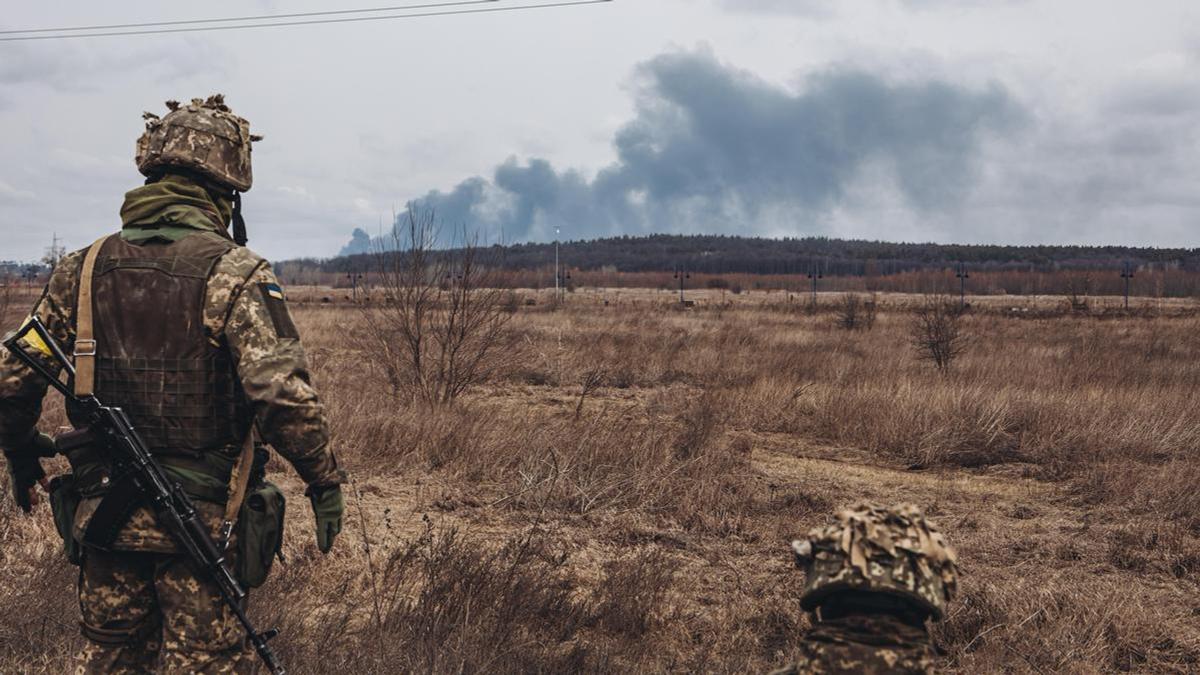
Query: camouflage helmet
885	550
203	136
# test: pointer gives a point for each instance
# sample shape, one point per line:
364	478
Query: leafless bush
592	380
855	313
448	603
937	332
1077	292
439	325
631	597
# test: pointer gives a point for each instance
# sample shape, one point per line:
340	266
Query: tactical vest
154	357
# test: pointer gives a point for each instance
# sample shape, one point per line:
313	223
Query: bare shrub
592	380
448	603
1077	293
699	422
630	599
856	313
995	625
937	332
439	325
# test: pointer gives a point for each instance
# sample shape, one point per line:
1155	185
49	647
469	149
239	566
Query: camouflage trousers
147	612
864	645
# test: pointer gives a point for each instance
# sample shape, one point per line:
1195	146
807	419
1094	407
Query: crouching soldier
176	322
875	578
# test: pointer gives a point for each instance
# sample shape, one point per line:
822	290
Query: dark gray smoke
360	242
715	149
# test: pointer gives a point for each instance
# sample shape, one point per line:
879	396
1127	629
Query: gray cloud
959	4
716	149
808	8
79	67
1157	96
824	9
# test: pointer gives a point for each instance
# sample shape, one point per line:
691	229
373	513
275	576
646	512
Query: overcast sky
1057	121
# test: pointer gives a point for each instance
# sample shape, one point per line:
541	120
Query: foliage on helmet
203	137
885	550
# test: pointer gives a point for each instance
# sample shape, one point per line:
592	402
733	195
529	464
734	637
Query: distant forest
718	254
736	263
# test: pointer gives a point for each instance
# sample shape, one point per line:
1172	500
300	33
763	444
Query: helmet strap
239	223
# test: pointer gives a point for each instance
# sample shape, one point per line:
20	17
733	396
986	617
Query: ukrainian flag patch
281	319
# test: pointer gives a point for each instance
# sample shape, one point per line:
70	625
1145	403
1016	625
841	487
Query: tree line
722	254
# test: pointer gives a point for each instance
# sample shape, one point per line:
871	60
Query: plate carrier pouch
259	534
64	502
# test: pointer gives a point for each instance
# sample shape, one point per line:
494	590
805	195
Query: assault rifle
130	458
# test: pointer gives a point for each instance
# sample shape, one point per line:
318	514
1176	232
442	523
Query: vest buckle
85	348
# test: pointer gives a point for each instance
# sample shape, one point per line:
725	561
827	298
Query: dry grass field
620	496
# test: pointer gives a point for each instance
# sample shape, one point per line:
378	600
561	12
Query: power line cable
198	29
233	19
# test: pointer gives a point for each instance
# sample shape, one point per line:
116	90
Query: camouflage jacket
272	370
864	645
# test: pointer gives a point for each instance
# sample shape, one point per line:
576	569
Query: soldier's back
863	645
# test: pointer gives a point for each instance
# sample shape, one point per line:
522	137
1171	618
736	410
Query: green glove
24	468
328	506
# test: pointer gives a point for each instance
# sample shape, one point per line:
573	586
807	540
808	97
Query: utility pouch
64	502
259	534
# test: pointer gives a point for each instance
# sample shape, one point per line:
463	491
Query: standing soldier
876	576
176	322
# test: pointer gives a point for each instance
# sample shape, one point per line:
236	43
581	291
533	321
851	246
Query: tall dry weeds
646	530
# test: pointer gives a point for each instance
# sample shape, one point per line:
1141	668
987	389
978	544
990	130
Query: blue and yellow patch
273	298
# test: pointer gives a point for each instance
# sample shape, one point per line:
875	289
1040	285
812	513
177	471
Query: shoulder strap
85	336
239	481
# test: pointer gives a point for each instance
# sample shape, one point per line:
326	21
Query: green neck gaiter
173	207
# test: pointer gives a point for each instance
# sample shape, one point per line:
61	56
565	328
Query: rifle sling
85	337
239	481
114	511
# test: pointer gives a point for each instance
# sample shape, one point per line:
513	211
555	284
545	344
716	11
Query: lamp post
561	284
682	274
557	284
1127	275
815	275
962	285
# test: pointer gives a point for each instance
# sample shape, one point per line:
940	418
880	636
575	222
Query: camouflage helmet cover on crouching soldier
204	137
869	548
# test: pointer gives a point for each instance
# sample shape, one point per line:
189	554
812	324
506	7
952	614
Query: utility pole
815	275
564	277
1127	275
354	278
682	274
962	286
557	285
54	254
